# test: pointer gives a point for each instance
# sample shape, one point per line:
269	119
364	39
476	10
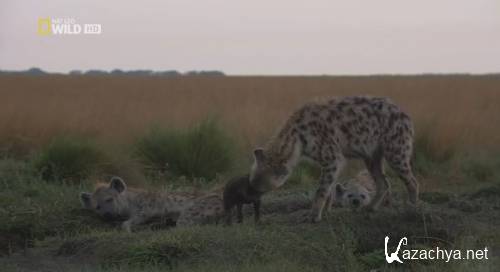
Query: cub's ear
85	199
339	190
118	184
259	155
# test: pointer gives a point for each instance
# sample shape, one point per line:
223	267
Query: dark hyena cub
237	192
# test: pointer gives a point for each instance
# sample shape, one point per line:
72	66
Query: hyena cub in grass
237	192
366	128
116	201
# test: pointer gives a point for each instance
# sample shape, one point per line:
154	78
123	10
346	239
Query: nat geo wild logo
401	255
65	26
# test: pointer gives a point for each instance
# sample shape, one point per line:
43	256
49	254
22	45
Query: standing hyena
367	128
139	206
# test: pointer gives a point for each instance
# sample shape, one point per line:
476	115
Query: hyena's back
355	126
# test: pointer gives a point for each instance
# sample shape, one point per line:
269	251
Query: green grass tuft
201	151
68	159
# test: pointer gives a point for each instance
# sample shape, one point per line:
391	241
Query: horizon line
108	72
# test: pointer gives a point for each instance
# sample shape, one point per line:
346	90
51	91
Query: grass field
458	109
132	126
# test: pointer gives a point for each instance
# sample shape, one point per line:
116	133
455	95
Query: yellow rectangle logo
44	26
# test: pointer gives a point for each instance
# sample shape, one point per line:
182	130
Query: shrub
68	159
201	151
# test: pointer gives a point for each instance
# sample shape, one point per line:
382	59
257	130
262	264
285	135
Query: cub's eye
363	196
349	195
108	200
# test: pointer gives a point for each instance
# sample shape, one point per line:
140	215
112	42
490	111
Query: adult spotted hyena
115	201
367	128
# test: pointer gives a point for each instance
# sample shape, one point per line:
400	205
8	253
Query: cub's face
105	200
266	175
352	196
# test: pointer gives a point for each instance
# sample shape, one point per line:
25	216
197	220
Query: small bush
201	151
68	159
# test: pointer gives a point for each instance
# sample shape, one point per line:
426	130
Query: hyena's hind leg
329	173
382	186
329	201
400	162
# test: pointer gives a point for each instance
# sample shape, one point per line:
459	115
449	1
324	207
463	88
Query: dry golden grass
461	110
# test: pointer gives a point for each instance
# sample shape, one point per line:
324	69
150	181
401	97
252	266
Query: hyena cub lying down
116	201
356	193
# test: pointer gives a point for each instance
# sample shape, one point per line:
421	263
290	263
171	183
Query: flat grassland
44	228
457	109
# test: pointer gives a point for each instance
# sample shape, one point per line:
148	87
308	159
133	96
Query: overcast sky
258	36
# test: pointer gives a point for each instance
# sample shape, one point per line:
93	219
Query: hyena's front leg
383	188
256	209
329	174
228	214
239	208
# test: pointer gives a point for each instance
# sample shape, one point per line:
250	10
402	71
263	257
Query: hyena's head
106	200
352	195
267	173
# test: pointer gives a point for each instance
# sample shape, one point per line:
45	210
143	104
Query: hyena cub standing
137	206
237	192
367	128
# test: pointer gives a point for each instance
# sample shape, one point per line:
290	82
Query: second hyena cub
138	206
356	193
237	192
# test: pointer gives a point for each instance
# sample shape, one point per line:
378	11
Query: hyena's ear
259	155
118	184
339	190
85	199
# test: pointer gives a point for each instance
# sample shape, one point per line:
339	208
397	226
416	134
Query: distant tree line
118	72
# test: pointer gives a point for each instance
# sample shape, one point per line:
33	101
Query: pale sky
262	37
